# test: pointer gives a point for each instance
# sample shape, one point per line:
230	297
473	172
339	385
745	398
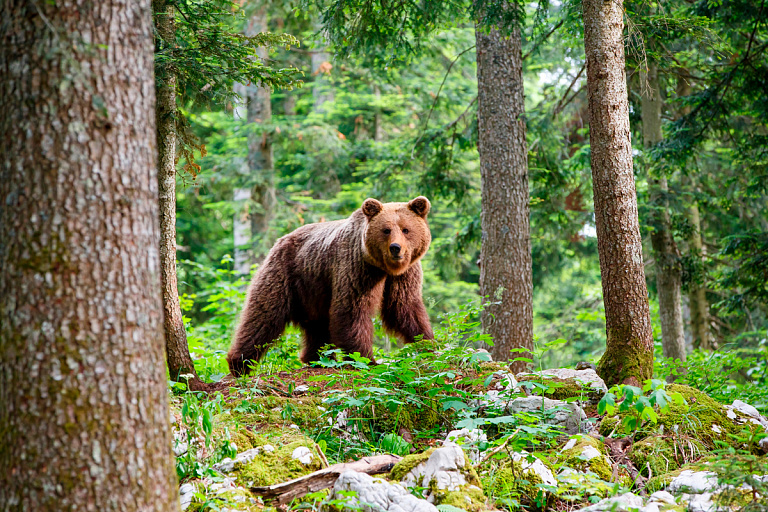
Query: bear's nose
394	249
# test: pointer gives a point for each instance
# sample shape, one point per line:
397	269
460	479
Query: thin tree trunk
260	149
669	275
505	255
629	341
84	415
322	91
378	123
697	291
177	351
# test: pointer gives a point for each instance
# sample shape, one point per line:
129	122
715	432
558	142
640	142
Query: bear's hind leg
263	320
316	336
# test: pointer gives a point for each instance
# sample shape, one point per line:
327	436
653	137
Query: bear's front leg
402	308
351	326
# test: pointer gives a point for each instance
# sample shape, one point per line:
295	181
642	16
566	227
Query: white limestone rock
627	502
468	440
536	467
376	495
569	416
443	466
303	455
694	482
227	465
587	378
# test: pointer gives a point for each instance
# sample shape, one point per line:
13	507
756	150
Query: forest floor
452	430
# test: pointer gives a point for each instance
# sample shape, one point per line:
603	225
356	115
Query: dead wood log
325	478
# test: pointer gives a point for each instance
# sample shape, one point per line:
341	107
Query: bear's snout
394	249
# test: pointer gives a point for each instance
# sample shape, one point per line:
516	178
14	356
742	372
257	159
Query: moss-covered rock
520	479
447	475
272	466
662	454
407	463
585	453
662	481
564	383
702	418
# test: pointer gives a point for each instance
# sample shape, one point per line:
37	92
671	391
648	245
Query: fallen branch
325	478
496	450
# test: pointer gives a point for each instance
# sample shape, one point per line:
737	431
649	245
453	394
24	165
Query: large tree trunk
84	415
629	345
505	255
176	348
669	275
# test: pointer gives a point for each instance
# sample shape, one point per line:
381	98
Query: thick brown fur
330	278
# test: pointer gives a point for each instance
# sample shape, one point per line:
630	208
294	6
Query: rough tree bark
669	273
176	348
505	255
258	202
697	291
260	148
84	415
629	341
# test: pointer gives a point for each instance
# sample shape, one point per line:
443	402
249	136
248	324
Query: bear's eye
405	231
387	231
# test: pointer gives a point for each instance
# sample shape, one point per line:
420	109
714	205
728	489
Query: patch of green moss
703	419
412	417
579	487
625	361
270	468
510	480
407	463
469	498
488	367
600	465
561	389
664	454
276	411
235	500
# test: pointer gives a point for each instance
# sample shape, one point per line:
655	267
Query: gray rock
694	482
227	465
627	502
303	455
186	493
587	378
443	466
569	416
536	467
468	440
376	495
745	409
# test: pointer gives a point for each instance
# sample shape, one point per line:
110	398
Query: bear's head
397	235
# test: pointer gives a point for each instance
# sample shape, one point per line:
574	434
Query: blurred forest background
378	107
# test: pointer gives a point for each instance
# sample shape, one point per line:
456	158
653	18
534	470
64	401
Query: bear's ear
420	206
371	207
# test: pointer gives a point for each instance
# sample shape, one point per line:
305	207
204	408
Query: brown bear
330	278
